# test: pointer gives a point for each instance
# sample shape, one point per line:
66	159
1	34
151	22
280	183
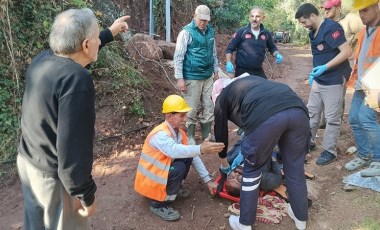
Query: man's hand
279	58
181	85
208	147
211	185
311	78
372	98
119	25
318	71
87	211
229	67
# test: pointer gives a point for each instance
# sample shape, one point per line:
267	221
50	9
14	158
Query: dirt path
119	207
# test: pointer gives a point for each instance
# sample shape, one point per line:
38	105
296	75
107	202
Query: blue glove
229	67
318	71
237	161
311	78
225	170
278	58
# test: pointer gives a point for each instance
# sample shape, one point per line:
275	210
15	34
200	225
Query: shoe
325	158
372	170
300	225
184	193
166	212
206	129
236	225
356	163
312	146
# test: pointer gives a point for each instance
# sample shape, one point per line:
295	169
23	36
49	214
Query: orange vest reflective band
372	56
153	168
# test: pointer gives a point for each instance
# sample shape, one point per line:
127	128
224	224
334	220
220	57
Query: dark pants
290	129
177	173
259	71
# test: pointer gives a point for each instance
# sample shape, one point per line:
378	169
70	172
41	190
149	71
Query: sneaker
325	158
236	225
166	212
372	170
356	163
300	225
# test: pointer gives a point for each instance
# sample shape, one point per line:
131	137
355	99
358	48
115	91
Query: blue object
279	58
229	67
311	78
226	170
237	161
319	70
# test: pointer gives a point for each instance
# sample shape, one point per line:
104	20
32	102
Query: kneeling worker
166	158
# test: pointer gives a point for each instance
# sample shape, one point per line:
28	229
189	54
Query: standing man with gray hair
195	62
57	125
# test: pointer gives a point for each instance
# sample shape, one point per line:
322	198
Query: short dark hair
233	191
305	10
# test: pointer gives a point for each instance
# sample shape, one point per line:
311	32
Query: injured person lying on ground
271	174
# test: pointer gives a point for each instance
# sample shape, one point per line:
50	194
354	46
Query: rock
142	46
167	48
351	150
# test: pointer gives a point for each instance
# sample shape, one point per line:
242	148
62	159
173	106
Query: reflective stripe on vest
153	168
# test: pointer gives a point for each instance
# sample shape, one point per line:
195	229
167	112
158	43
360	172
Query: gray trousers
47	205
198	96
329	98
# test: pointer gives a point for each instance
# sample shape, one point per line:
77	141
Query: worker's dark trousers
259	71
290	129
177	173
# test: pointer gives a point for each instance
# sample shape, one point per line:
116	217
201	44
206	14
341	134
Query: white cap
203	12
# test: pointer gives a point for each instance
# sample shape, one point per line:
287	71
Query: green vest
199	61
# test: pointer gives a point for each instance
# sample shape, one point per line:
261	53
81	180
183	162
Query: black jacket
58	118
248	102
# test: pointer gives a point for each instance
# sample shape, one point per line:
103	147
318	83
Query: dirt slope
119	207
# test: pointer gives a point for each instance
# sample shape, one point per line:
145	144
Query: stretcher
279	191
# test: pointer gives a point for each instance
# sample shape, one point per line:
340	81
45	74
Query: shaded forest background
25	25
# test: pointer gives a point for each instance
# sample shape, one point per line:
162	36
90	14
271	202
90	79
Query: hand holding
318	71
311	78
208	147
211	185
119	25
279	58
87	211
229	67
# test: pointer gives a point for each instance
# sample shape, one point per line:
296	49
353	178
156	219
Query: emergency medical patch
248	36
263	37
335	35
320	47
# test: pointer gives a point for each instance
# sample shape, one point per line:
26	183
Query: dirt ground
119	207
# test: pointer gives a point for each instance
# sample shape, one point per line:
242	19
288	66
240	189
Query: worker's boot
191	134
206	129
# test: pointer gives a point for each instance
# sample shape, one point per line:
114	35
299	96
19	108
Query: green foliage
112	67
24	32
9	117
369	224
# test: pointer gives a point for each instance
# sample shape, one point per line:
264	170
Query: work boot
191	134
206	129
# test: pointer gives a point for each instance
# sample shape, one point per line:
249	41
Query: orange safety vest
153	168
372	56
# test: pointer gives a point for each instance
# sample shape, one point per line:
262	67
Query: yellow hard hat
362	4
176	104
